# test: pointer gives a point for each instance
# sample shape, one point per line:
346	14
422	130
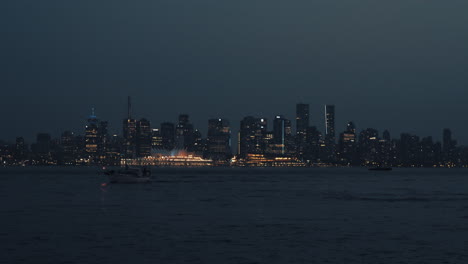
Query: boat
129	175
380	169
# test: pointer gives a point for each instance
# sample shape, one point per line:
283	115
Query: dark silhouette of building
448	147
302	123
198	143
330	139
218	141
168	135
69	148
129	133
143	142
312	145
21	149
369	147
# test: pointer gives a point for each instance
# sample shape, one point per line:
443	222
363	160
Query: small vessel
129	175
380	169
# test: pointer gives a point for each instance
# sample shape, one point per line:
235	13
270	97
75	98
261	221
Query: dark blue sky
399	65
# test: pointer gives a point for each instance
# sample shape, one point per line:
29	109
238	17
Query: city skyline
261	141
382	68
317	118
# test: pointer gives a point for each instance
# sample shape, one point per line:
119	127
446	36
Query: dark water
64	215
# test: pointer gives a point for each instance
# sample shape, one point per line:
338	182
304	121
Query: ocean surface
235	215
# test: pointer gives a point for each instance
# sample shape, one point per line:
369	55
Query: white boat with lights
129	175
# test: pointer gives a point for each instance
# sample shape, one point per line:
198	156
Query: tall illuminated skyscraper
91	136
329	151
330	123
281	134
129	133
251	136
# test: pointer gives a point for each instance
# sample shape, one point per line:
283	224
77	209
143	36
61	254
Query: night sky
399	65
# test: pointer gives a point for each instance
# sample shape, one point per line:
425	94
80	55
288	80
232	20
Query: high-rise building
302	118
156	139
199	143
281	135
330	141
20	149
409	150
167	135
218	141
143	142
302	123
448	147
129	133
42	149
184	133
252	136
312	145
330	123
91	137
103	140
347	151
69	147
369	146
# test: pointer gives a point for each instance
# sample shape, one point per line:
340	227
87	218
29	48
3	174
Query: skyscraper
330	123
302	123
302	118
143	140
347	148
330	149
69	147
251	136
167	135
218	141
281	135
156	139
129	133
448	147
184	133
91	137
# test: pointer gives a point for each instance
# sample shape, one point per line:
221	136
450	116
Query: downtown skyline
259	140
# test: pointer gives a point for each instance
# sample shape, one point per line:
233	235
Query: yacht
129	175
